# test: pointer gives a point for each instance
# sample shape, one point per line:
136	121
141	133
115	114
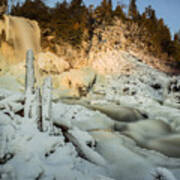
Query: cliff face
108	41
102	50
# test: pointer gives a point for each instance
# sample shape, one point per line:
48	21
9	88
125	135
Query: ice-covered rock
51	63
76	82
82	140
78	116
9	82
111	62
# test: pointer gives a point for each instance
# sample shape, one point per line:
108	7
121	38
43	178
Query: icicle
36	107
2	142
47	124
29	84
30	77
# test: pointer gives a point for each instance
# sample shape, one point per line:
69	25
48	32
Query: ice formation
43	138
21	34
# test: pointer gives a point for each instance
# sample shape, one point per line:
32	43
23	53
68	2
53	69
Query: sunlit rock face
17	35
111	62
51	63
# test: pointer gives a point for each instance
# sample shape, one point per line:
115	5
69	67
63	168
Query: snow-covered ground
84	143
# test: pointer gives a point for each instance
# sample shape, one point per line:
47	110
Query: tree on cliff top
133	11
177	46
118	12
104	12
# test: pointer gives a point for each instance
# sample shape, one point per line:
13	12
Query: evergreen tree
29	10
3	6
177	36
176	43
151	16
104	12
118	12
133	11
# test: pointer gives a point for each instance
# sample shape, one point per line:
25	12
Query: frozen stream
126	128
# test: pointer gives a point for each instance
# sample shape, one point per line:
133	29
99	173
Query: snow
163	174
83	143
37	153
9	82
81	117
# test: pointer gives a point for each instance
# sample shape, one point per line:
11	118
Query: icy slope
27	153
45	139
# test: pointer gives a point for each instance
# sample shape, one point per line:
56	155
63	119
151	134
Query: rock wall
102	50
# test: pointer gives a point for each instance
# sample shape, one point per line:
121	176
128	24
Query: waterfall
17	35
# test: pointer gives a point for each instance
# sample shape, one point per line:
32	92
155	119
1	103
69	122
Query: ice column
29	84
47	124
